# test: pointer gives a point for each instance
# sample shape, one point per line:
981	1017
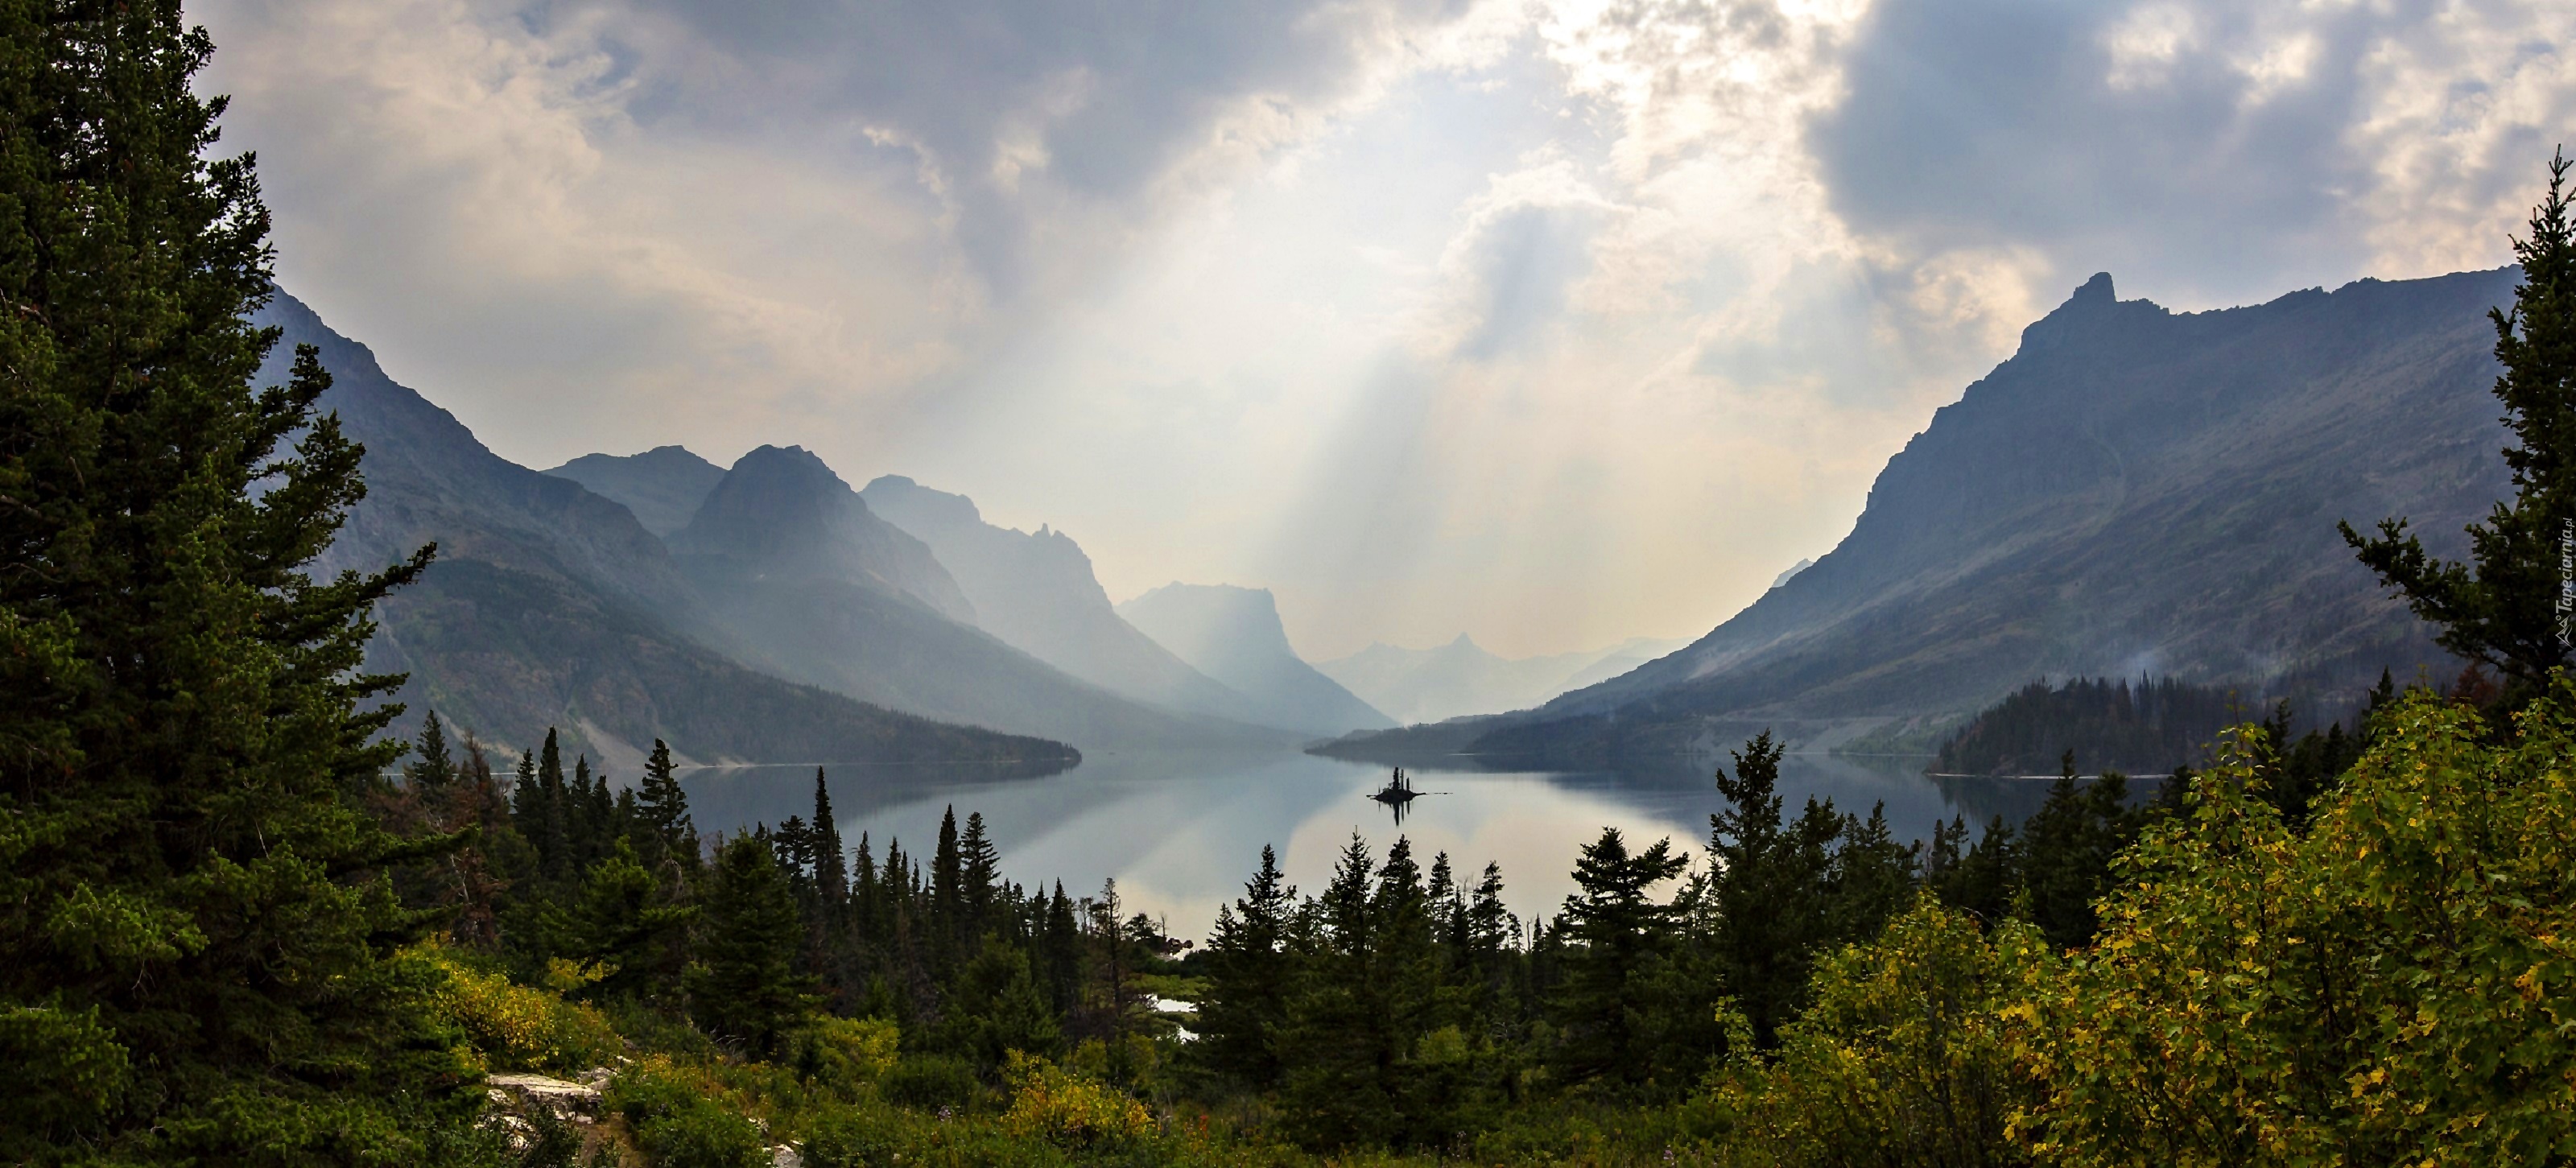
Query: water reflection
1181	832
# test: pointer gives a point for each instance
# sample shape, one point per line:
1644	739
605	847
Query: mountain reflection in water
1181	832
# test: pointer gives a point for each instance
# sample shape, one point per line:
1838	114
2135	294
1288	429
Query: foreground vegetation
234	936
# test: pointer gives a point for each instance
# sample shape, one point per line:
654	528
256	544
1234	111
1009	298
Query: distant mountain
2135	491
1462	678
1036	592
551	606
1234	635
802	579
782	509
662	486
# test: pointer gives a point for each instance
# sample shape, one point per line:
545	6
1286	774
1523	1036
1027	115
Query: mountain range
1461	678
551	606
2134	491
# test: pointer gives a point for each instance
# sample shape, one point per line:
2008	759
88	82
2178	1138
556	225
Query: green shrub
931	1081
703	1136
681	1128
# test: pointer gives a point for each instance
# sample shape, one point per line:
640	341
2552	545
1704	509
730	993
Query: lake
1182	832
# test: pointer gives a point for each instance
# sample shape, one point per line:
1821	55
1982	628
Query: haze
1551	324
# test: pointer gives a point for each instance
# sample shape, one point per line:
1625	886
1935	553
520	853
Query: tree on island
2510	611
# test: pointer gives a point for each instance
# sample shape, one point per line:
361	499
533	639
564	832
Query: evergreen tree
665	810
947	892
978	876
433	767
1248	978
1333	1086
2508	608
2067	848
622	920
745	985
201	946
552	831
1985	879
1613	930
995	1008
1767	891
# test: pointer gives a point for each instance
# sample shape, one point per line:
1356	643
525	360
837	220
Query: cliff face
1234	635
2135	491
549	605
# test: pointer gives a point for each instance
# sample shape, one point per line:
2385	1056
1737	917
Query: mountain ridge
2133	491
550	606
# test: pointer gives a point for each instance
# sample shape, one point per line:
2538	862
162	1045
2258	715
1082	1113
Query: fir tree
201	966
2509	607
979	876
1613	930
433	767
2066	851
665	810
1248	978
1767	890
745	985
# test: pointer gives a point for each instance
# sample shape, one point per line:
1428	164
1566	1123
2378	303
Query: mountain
551	606
662	486
782	509
2134	491
1461	677
1036	592
802	579
1234	635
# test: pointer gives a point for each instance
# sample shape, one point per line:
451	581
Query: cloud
2205	149
1553	321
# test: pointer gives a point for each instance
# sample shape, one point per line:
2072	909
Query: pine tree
979	876
665	810
745	985
2066	851
201	965
1613	930
1767	889
552	832
1333	1084
1249	976
434	767
947	894
2511	610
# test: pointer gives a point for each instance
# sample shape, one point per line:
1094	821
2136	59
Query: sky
1553	323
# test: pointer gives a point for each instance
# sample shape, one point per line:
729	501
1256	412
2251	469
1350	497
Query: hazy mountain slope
662	486
549	605
1234	635
784	510
1038	594
2134	491
803	580
1461	677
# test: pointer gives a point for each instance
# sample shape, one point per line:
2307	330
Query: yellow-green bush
1906	1056
2396	985
515	1027
846	1054
1070	1110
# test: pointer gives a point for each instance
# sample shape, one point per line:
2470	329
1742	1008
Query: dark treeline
1399	1005
2150	727
611	896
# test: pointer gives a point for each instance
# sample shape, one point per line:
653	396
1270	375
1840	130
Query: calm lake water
1181	833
